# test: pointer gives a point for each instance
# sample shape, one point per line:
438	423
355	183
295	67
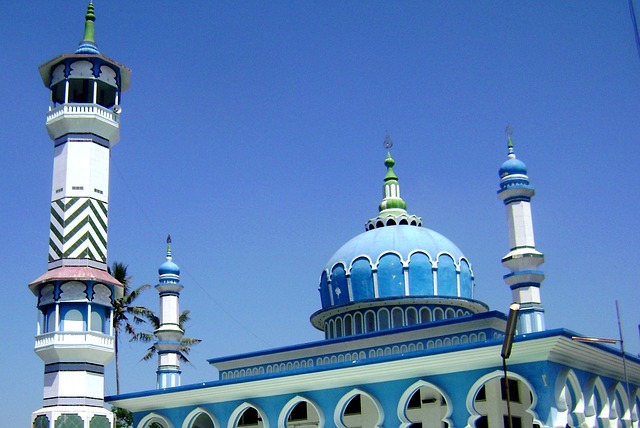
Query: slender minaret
523	259
75	336
169	333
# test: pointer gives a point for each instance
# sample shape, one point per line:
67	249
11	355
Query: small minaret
169	333
523	259
75	336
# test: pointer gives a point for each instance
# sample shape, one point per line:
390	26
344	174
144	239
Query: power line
635	26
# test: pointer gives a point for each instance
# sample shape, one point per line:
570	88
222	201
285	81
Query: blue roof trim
475	345
484	315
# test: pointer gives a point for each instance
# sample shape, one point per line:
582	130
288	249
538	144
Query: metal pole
624	360
506	386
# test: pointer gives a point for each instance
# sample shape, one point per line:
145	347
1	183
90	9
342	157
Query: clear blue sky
253	133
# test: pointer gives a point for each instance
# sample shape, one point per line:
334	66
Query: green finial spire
88	43
392	209
90	18
391	188
509	132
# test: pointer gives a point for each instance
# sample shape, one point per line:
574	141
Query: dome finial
509	133
88	43
388	142
392	209
168	247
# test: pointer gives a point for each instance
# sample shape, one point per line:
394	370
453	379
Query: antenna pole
624	358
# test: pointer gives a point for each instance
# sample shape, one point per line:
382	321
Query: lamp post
507	343
612	342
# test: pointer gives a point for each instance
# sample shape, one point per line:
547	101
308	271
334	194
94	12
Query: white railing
81	110
74	338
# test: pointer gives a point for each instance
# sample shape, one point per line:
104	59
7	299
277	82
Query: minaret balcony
83	118
75	346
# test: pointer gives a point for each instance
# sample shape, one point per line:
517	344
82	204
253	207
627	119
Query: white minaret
169	332
523	260
75	336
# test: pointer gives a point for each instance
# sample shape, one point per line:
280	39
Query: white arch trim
617	390
157	418
406	395
594	388
284	414
565	378
191	417
235	415
473	413
342	404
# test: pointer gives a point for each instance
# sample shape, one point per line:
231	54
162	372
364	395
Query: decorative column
523	259
75	337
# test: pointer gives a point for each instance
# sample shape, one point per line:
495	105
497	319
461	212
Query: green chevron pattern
78	229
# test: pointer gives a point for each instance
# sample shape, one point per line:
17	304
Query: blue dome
513	166
395	261
169	268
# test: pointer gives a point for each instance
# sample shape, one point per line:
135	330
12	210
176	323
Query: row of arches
591	403
355	355
75	306
390	276
372	320
422	404
84	82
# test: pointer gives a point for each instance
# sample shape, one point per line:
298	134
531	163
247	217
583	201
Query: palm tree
185	342
123	308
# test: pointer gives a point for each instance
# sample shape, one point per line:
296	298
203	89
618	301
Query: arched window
250	418
340	292
362	280
427	407
370	321
466	280
303	414
348	325
73	321
383	319
360	411
438	314
390	276
397	317
450	313
447	282
97	319
490	403
425	315
420	275
325	293
357	320
412	316
339	332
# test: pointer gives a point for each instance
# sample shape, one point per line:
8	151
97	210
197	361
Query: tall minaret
75	337
523	259
169	333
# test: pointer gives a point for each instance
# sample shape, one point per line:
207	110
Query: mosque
406	344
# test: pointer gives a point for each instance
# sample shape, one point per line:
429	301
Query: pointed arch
201	417
435	392
154	418
618	404
313	413
493	379
368	412
237	415
596	401
569	399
